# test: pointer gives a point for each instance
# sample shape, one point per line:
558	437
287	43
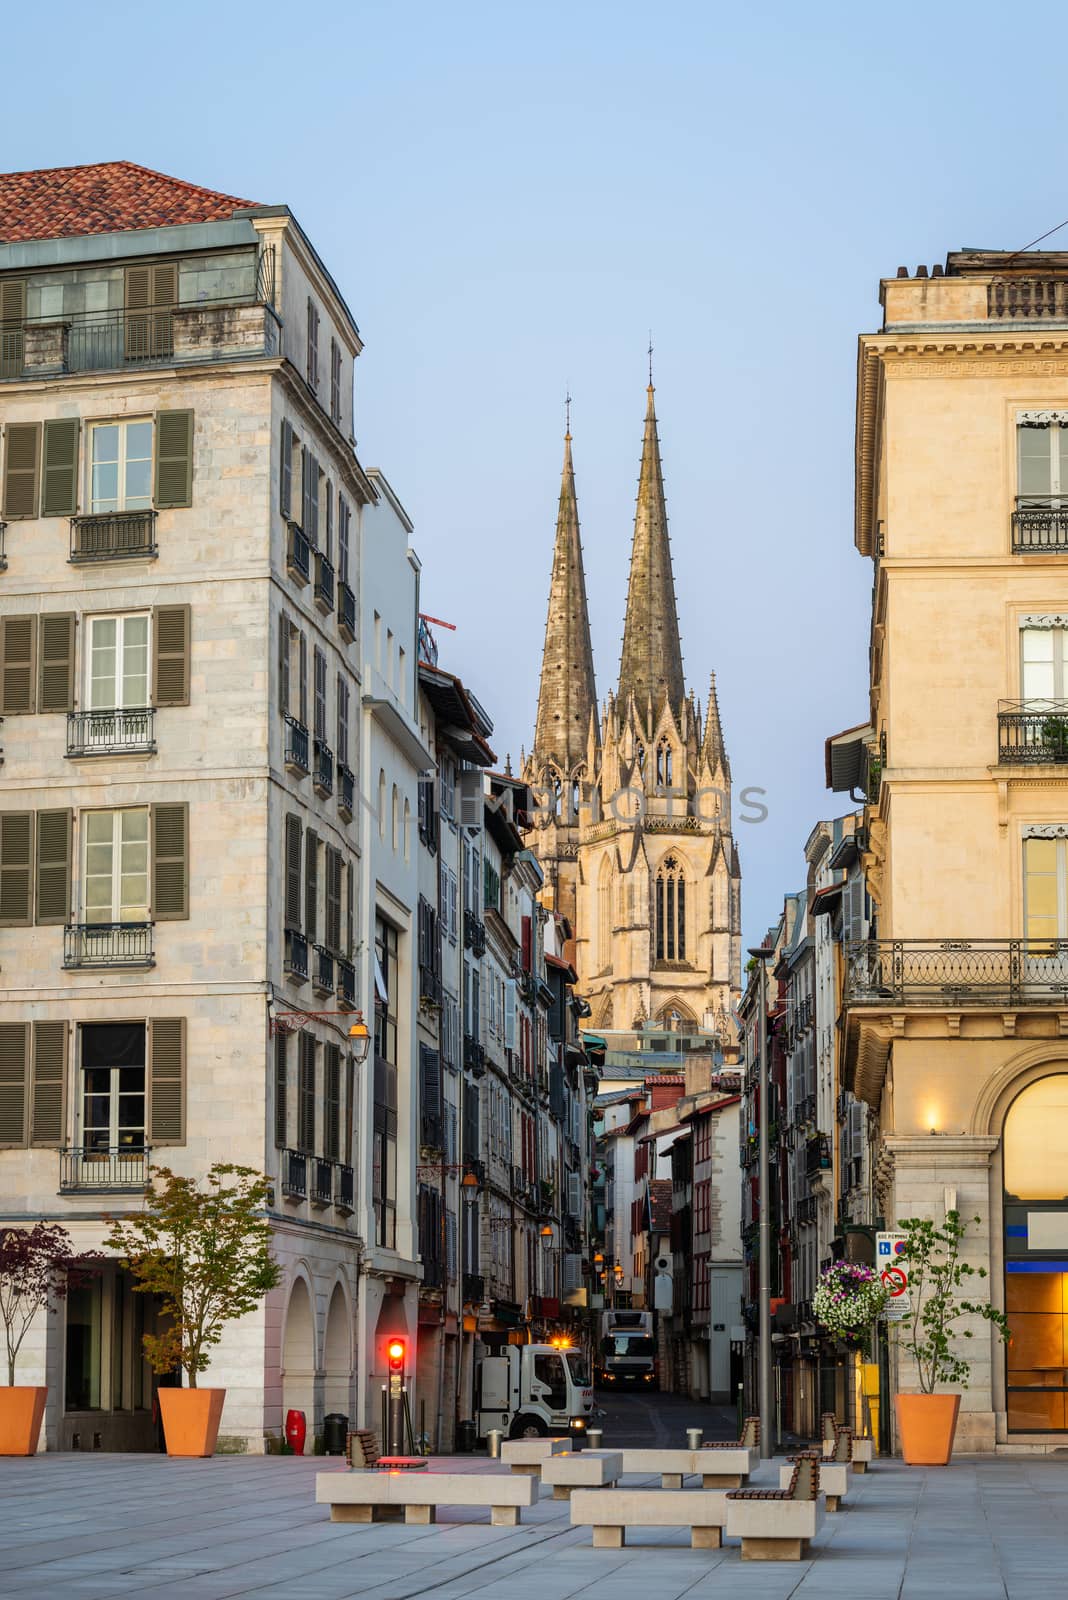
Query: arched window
576	797
639	756
604	914
664	764
396	817
407	830
381	803
670	911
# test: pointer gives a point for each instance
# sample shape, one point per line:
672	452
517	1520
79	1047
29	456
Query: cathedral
634	826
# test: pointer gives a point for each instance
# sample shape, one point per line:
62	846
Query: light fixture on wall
547	1236
360	1037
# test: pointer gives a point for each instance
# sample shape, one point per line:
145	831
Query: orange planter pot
191	1420
21	1415
926	1425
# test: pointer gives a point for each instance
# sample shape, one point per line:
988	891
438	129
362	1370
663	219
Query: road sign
893	1269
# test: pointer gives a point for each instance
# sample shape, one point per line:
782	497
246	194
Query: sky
512	197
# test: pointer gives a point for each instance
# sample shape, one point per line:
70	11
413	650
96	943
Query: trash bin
493	1440
465	1437
595	1437
335	1433
694	1436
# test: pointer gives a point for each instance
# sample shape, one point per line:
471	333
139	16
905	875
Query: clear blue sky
511	196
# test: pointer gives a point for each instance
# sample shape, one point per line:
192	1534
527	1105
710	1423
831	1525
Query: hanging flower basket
848	1300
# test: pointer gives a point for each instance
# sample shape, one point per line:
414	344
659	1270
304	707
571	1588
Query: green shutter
16	867
174	459
293	873
54	830
166	1080
22	460
171	635
170	862
18	649
47	1121
55	690
59	475
14	1071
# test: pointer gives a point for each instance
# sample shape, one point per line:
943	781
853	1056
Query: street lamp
360	1037
547	1236
764	1229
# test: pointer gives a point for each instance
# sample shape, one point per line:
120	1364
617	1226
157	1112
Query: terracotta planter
21	1414
191	1420
926	1424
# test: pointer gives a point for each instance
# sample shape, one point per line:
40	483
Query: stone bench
374	1496
609	1512
777	1524
863	1454
727	1466
527	1455
863	1450
834	1481
672	1465
582	1469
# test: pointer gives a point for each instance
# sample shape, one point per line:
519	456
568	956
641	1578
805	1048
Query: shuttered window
350	911
283	664
174	459
22	461
12	316
281	1090
342	721
344	524
59	485
333	900
310	500
328	506
302	681
151	294
170	634
292	872
14	1070
170	862
320	694
313	345
54	830
331	1102
335	381
117	664
311	885
18	654
166	1079
285	471
55	690
48	1105
16	866
120	477
306	1095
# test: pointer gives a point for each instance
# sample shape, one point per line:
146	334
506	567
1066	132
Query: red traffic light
395	1351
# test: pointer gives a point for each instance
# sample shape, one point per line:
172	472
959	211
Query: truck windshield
629	1344
580	1375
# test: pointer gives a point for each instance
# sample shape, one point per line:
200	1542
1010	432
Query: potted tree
204	1249
927	1422
34	1267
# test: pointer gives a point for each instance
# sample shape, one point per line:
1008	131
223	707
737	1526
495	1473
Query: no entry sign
892	1267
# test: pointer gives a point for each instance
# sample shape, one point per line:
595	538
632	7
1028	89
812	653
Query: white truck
531	1390
628	1350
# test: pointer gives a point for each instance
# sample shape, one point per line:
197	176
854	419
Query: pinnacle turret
651	662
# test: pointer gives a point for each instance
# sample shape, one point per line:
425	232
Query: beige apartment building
956	1009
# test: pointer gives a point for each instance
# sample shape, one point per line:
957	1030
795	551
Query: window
670	911
328	532
344	515
1045	891
384	1149
335	381
115	866
1044	662
112	1100
306	1094
320	694
1042	463
664	764
118	663
120	466
342	721
313	345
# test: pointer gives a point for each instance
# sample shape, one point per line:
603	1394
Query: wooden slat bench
777	1524
863	1449
610	1512
527	1455
363	1454
834	1469
582	1469
372	1496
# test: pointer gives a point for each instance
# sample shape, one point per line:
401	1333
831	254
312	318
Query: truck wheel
528	1427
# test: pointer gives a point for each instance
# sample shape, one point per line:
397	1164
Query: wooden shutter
342	538
166	1080
342	721
285	472
22	461
18	679
174	459
16	865
14	1072
310	508
59	473
48	1101
293	872
306	1090
12	316
283	664
170	862
54	830
311	884
333	900
170	632
350	911
281	1090
55	686
331	1102
320	693
302	684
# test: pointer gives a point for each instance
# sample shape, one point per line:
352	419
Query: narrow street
661	1419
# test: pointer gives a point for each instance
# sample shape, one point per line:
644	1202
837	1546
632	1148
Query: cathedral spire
651	663
567	698
712	747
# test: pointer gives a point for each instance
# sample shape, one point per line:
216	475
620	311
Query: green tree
936	1275
205	1250
35	1272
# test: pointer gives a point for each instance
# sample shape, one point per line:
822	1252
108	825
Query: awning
826	901
845	758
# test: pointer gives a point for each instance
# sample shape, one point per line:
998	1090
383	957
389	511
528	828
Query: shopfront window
1035	1151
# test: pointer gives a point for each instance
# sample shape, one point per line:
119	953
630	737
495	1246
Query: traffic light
395	1353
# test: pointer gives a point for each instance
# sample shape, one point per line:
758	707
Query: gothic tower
636	840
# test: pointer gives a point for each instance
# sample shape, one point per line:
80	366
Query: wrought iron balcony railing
298	554
818	1154
1039	527
346	611
296	954
344	1198
323	970
1032	732
87	1170
294	1173
296	747
952	973
324	584
111	733
322	1193
474	934
323	770
108	944
113	536
346	792
474	1288
346	984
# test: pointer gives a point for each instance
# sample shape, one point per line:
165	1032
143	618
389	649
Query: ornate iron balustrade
323	771
324	584
346	792
324	970
1039	527
298	554
346	984
346	611
806	1210
113	536
110	733
474	934
124	1167
296	747
1032	731
296	954
346	1189
1025	299
951	973
429	985
108	944
294	1173
474	1288
818	1154
322	1193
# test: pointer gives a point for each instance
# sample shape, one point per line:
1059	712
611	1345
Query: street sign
893	1269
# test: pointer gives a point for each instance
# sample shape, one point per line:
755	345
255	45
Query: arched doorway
1035	1152
298	1355
337	1356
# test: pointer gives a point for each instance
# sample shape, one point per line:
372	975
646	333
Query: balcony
474	1056
474	1288
113	536
429	986
1032	732
818	1155
1039	527
474	934
1027	299
323	971
322	1191
111	733
346	612
344	1199
108	1171
295	959
294	1174
806	1210
955	973
346	793
346	984
296	748
323	770
324	584
298	555
103	945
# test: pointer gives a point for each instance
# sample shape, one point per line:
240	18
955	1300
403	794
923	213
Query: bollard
694	1437
576	1431
493	1440
596	1437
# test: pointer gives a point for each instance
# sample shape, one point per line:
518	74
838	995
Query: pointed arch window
576	798
670	911
664	764
639	756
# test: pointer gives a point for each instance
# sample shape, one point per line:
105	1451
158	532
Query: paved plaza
110	1525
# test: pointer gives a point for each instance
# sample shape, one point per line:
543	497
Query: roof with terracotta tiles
110	197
